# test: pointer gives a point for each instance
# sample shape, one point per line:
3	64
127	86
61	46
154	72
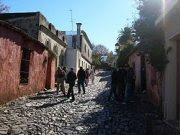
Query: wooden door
48	73
178	80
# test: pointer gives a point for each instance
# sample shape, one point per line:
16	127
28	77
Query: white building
79	51
171	93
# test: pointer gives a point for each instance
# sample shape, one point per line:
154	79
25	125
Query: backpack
61	74
81	75
71	77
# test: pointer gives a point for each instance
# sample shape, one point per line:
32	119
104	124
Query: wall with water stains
11	43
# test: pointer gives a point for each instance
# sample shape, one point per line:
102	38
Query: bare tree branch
3	8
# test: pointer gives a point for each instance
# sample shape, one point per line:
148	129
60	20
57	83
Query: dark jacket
130	77
81	75
114	77
87	74
121	76
60	73
71	77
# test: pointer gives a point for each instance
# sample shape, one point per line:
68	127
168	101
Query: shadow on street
50	104
115	118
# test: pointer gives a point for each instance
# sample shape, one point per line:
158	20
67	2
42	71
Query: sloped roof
5	16
86	37
18	30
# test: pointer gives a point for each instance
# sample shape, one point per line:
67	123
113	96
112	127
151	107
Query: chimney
78	37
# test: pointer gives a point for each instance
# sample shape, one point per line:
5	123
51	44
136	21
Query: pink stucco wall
51	70
135	62
154	83
153	78
11	43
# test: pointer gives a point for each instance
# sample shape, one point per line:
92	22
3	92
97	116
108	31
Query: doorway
48	73
178	81
143	73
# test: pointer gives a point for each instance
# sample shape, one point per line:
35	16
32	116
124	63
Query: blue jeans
113	91
81	83
128	92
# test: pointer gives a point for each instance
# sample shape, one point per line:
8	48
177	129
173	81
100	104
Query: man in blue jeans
81	79
71	77
113	85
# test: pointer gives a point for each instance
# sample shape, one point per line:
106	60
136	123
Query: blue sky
101	19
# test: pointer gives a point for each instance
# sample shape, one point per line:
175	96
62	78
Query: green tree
125	36
126	41
122	57
110	58
96	60
150	36
100	51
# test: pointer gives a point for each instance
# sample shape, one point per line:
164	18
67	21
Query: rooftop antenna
71	19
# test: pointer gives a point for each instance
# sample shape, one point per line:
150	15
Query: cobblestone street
91	113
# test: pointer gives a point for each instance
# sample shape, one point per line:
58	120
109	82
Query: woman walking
92	77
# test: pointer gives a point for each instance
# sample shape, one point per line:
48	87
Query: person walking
87	77
113	85
129	85
60	75
71	77
121	82
65	71
81	78
92	76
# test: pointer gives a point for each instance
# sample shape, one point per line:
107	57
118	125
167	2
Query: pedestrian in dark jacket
113	85
130	77
71	77
81	78
121	82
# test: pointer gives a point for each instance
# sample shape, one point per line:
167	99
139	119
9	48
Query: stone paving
46	113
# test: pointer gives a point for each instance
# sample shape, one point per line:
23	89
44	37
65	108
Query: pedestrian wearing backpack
81	78
60	74
71	77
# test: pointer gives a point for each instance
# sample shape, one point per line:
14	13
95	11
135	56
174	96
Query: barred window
24	70
79	62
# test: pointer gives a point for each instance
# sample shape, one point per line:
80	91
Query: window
57	33
55	49
88	52
48	43
63	38
74	41
79	62
85	49
50	26
82	63
61	58
24	71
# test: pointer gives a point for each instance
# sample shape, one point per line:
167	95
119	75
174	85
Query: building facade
79	51
37	26
171	94
23	63
148	79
